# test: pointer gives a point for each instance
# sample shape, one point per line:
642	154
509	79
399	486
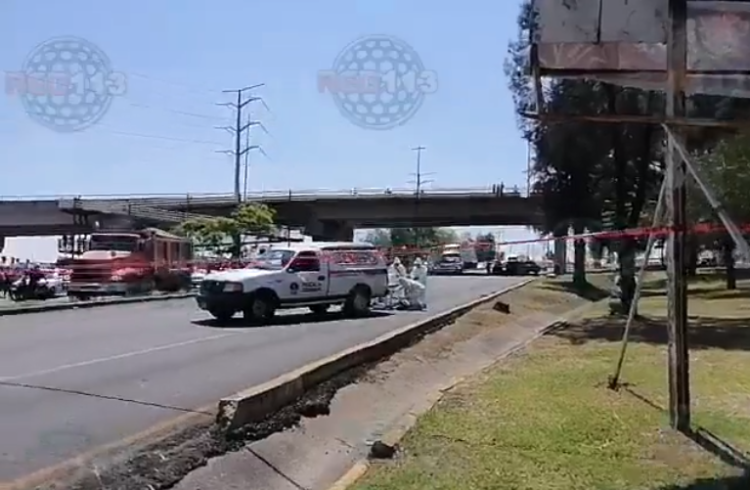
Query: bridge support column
331	231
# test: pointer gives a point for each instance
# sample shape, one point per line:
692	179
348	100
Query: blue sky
177	56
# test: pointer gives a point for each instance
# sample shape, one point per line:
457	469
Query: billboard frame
538	72
675	123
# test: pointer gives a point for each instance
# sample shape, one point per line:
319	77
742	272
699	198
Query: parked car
496	268
447	264
515	266
522	268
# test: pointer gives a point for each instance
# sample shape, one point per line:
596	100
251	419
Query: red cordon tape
389	252
701	229
660	232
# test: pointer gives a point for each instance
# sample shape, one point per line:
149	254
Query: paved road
73	380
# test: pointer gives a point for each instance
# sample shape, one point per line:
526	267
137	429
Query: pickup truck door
309	277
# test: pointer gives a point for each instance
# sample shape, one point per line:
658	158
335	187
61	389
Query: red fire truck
130	263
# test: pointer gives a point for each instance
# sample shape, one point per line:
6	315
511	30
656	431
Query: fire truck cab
119	264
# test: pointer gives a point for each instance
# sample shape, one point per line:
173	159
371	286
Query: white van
313	275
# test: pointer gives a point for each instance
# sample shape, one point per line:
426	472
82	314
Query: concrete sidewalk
317	453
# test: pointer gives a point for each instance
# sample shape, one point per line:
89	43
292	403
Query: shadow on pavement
292	319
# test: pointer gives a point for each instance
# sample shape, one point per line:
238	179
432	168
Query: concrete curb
259	401
41	308
394	436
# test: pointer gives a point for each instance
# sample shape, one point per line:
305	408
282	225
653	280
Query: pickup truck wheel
221	314
260	310
358	302
319	309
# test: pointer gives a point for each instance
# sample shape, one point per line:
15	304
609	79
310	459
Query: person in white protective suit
393	273
396	291
419	274
400	269
413	291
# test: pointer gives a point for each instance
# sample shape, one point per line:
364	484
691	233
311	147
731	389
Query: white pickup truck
313	275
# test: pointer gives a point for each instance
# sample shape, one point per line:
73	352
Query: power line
129	100
118	132
178	112
164	138
238	129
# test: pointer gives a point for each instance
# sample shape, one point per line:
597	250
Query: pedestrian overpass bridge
323	214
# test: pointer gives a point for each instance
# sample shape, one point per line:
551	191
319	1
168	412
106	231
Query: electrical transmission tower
419	180
237	131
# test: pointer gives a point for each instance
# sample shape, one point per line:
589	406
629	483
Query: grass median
545	419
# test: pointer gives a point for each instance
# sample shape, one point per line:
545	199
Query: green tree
207	233
379	238
726	170
249	219
254	219
216	233
446	235
587	173
422	237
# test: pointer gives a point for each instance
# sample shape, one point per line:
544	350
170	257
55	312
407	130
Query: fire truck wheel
148	286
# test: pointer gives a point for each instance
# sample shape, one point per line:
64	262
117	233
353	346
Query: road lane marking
125	355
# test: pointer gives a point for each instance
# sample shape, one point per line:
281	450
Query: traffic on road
74	380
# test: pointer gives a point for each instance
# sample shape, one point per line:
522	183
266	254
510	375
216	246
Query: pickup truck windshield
273	259
450	258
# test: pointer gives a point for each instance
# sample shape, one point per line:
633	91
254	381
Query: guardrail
279	195
138	210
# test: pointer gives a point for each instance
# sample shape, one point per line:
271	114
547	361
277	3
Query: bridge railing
281	195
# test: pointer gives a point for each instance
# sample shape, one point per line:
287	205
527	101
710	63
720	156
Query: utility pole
419	181
679	373
237	131
246	152
238	151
